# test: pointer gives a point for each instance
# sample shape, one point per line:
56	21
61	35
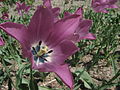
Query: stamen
50	51
38	46
43	58
34	50
40	42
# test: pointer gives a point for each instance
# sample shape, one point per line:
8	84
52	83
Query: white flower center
41	53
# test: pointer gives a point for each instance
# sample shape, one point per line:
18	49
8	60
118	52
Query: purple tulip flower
22	8
82	31
45	43
1	41
101	5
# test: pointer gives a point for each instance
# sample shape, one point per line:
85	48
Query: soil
101	71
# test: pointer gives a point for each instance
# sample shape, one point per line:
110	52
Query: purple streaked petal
83	29
114	6
26	50
82	32
111	1
101	9
84	26
41	24
67	14
56	12
79	11
62	51
64	73
64	27
90	36
1	41
17	31
61	70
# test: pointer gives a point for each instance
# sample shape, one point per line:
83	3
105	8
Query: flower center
41	53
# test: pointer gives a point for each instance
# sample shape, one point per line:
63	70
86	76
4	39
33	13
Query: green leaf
24	84
43	88
59	81
85	77
7	62
19	74
25	81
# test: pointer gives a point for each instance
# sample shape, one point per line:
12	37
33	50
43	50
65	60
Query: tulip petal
64	73
64	27
114	6
82	32
102	5
61	70
56	12
79	11
17	31
67	14
90	36
63	51
41	23
84	27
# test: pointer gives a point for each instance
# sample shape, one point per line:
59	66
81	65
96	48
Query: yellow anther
42	51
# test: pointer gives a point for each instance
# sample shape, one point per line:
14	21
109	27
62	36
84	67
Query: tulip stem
32	86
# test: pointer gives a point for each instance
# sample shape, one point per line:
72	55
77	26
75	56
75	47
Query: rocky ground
99	72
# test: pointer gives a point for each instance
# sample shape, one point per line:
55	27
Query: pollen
42	51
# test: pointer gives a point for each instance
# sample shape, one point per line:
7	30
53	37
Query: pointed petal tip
79	11
15	30
90	36
66	76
